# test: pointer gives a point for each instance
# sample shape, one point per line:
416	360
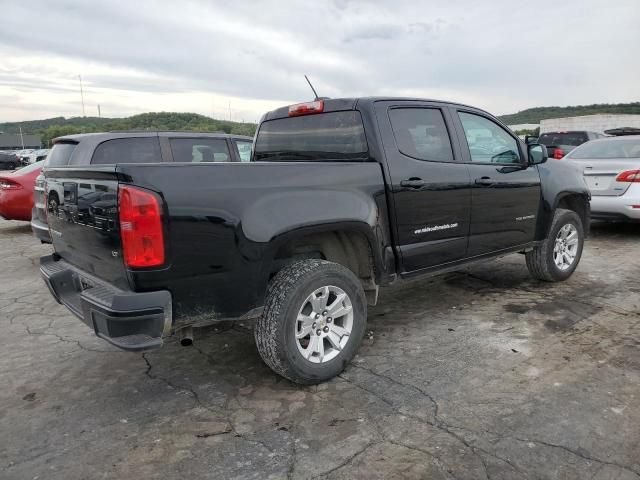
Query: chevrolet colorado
153	236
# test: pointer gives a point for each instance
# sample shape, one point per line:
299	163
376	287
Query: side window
128	150
199	150
244	150
421	133
488	142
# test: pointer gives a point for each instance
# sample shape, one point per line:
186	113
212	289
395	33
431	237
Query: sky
238	59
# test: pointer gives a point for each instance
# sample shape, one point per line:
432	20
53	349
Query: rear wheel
11	166
313	321
558	257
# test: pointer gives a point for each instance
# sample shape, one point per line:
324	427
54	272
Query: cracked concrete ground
483	373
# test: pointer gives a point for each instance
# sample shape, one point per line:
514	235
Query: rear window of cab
61	154
319	137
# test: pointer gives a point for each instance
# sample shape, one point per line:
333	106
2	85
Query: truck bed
221	222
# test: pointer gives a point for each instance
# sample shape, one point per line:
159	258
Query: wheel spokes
338	309
340	331
304	326
334	340
319	299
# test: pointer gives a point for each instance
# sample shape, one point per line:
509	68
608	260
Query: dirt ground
483	373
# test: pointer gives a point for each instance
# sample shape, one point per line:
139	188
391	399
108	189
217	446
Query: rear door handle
413	183
484	181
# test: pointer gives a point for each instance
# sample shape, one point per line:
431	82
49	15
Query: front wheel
314	318
558	257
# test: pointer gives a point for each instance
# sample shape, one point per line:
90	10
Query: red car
16	192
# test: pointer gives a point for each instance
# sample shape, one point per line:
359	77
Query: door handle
484	181
413	183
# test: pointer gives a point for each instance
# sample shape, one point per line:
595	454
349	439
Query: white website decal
435	228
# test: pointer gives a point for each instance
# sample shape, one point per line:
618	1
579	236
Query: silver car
611	168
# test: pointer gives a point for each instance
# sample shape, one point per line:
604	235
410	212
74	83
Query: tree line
55	127
534	115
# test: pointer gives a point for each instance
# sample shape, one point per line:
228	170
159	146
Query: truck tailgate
82	214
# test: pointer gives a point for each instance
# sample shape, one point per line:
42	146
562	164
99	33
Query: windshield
608	149
324	137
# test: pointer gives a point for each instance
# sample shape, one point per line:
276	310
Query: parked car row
36	156
10	160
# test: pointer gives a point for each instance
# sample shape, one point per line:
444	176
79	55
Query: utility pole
229	110
21	136
81	95
99	111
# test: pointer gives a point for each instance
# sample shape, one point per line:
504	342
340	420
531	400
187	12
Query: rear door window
421	133
199	150
320	137
127	150
61	154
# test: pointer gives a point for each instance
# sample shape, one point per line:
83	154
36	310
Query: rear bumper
129	320
622	207
40	229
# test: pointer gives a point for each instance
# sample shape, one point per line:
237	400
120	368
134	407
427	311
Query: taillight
307	108
632	176
140	227
558	154
6	184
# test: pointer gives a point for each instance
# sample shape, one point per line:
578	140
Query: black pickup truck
339	197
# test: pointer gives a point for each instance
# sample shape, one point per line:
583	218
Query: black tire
11	166
540	260
275	330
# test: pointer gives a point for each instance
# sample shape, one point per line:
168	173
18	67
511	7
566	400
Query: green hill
534	115
55	127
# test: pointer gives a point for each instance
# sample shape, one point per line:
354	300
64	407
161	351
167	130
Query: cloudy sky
240	58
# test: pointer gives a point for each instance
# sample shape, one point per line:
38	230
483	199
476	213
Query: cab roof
351	103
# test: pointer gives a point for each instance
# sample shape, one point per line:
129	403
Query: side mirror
530	139
537	153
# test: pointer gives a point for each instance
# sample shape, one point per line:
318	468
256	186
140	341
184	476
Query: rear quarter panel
226	220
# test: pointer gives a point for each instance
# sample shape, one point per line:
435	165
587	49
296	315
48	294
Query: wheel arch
351	244
579	203
568	200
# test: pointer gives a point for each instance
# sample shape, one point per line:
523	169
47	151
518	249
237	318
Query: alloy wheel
565	248
324	324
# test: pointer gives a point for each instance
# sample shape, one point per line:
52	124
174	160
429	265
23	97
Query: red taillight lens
632	176
140	227
307	108
558	154
6	184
